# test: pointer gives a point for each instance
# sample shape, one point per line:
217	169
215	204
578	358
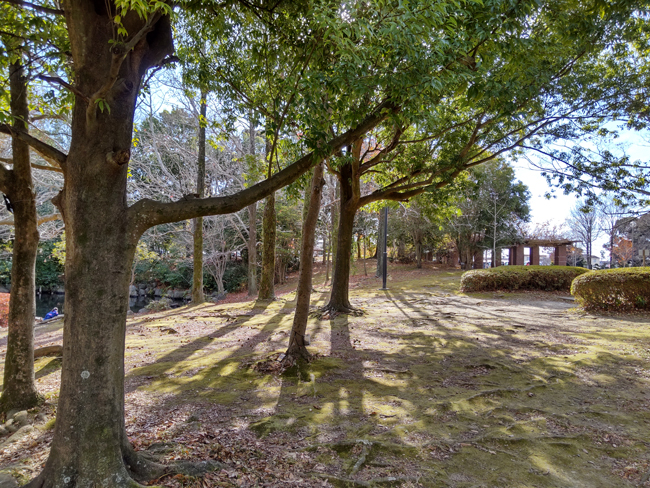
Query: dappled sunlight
515	391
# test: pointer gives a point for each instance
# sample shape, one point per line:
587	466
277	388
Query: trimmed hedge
547	278
614	289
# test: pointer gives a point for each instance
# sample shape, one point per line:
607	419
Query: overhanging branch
33	6
148	213
47	152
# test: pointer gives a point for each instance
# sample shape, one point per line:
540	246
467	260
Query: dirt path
428	388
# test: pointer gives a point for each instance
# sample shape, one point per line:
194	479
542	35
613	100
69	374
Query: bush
614	289
547	278
159	305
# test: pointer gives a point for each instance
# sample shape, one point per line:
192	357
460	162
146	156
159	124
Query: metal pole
385	256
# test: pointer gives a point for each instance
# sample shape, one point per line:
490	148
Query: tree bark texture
19	388
197	270
89	446
267	286
252	250
297	347
350	192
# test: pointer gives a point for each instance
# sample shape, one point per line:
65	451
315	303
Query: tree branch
33	6
120	51
147	213
65	84
41	220
47	152
34	165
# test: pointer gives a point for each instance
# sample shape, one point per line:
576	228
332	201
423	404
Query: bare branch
65	84
47	152
41	220
147	213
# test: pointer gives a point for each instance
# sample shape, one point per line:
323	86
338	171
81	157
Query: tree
197	224
623	251
112	47
21	65
611	212
586	226
297	345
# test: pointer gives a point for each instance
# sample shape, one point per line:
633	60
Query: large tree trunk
90	446
197	273
267	287
252	250
339	298
297	347
19	389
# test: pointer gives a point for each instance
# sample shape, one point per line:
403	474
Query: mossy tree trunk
19	388
267	286
297	347
197	273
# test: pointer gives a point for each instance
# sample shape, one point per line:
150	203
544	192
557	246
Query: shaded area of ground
429	388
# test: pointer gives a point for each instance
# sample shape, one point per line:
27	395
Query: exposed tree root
138	468
41	352
367	446
387	481
330	311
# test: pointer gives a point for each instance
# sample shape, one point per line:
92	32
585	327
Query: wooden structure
516	252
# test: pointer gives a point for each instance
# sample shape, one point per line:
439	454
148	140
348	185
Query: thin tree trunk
418	253
252	223
327	262
358	246
197	275
365	269
297	347
379	250
267	287
19	389
252	250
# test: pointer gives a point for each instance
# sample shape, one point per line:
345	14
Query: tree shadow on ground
450	392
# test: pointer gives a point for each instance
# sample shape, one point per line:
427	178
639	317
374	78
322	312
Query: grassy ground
430	387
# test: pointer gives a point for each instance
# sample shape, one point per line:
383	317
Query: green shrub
614	289
547	278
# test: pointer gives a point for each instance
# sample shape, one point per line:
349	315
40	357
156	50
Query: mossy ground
430	387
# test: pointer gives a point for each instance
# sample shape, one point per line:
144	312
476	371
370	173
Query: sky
556	210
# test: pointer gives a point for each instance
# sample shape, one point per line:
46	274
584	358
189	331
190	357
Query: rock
3	431
11	428
41	417
7	481
157	292
176	294
21	418
19	434
129	312
4	289
12	413
133	291
59	290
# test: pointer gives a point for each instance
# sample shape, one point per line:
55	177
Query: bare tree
585	223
